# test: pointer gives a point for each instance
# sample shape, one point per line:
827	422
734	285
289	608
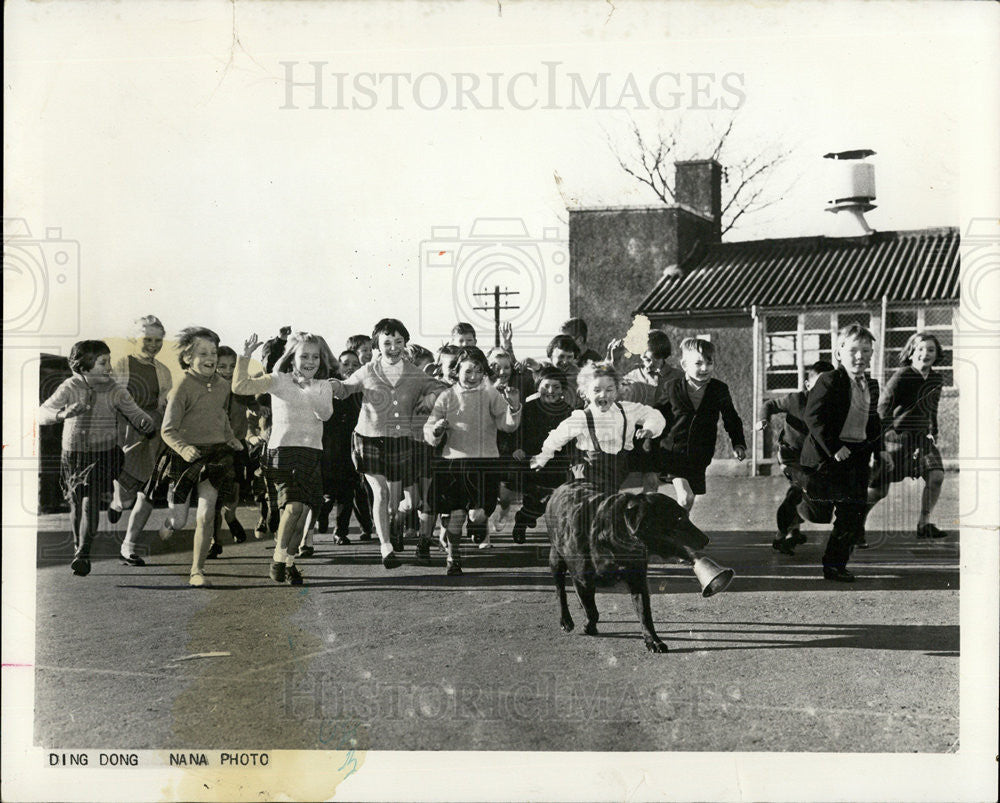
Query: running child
790	441
471	412
842	418
605	431
392	391
88	404
360	345
543	412
239	407
462	335
300	402
201	444
692	407
908	410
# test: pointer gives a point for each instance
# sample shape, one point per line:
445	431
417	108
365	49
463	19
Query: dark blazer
910	403
794	432
693	432
826	411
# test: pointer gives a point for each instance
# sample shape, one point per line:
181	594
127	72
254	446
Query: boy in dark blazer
842	418
692	406
790	440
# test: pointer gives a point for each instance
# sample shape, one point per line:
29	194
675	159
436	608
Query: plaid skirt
390	457
215	465
297	474
913	455
466	484
88	473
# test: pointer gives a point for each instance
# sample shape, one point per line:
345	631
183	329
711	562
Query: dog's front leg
585	589
558	567
639	588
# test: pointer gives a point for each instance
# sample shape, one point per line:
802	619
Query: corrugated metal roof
920	265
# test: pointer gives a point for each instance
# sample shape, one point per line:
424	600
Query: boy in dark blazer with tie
692	406
841	415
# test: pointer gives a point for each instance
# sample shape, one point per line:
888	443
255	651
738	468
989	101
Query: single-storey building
770	306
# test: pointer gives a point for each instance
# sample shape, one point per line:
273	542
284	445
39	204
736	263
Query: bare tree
745	189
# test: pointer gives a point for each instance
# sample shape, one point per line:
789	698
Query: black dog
600	539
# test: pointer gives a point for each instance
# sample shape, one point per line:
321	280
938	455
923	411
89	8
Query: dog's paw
656	646
590	629
566	623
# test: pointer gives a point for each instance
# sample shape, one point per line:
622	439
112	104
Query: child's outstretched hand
190	453
616	348
520	455
75	409
535	463
513	397
440	427
531	364
506	334
740	453
147	426
251	345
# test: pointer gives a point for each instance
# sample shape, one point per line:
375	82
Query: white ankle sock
280	555
386	549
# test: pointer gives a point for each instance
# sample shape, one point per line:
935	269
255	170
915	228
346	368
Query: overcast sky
164	139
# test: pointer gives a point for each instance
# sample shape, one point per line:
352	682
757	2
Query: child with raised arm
692	406
392	390
199	460
88	404
471	412
908	410
300	402
605	431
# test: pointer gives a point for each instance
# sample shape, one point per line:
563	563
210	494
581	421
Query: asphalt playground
414	660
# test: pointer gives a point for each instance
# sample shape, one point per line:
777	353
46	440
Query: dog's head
627	525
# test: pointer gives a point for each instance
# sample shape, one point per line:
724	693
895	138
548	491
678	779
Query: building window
900	324
794	342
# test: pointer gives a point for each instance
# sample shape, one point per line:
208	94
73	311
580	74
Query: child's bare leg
930	496
178	512
136	522
380	509
685	496
289	531
453	537
204	525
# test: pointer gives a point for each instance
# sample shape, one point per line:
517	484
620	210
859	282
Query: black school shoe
80	566
306	552
424	551
132	560
214	550
454	569
277	572
784	544
837	574
391	561
237	531
293	575
343	540
519	533
930	531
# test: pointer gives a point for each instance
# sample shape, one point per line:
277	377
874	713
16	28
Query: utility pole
496	292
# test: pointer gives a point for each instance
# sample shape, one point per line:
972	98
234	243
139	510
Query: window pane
782	381
781	323
780	350
937	316
897	339
816	320
898	319
847	318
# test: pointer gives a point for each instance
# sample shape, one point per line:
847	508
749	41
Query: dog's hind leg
585	591
639	588
558	567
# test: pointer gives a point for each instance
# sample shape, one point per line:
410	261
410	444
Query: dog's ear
635	511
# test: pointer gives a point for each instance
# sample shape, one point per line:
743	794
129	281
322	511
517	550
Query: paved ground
414	660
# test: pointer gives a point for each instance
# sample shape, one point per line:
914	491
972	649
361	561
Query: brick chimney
617	254
698	185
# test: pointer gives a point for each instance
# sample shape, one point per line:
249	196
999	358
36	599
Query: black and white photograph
422	400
